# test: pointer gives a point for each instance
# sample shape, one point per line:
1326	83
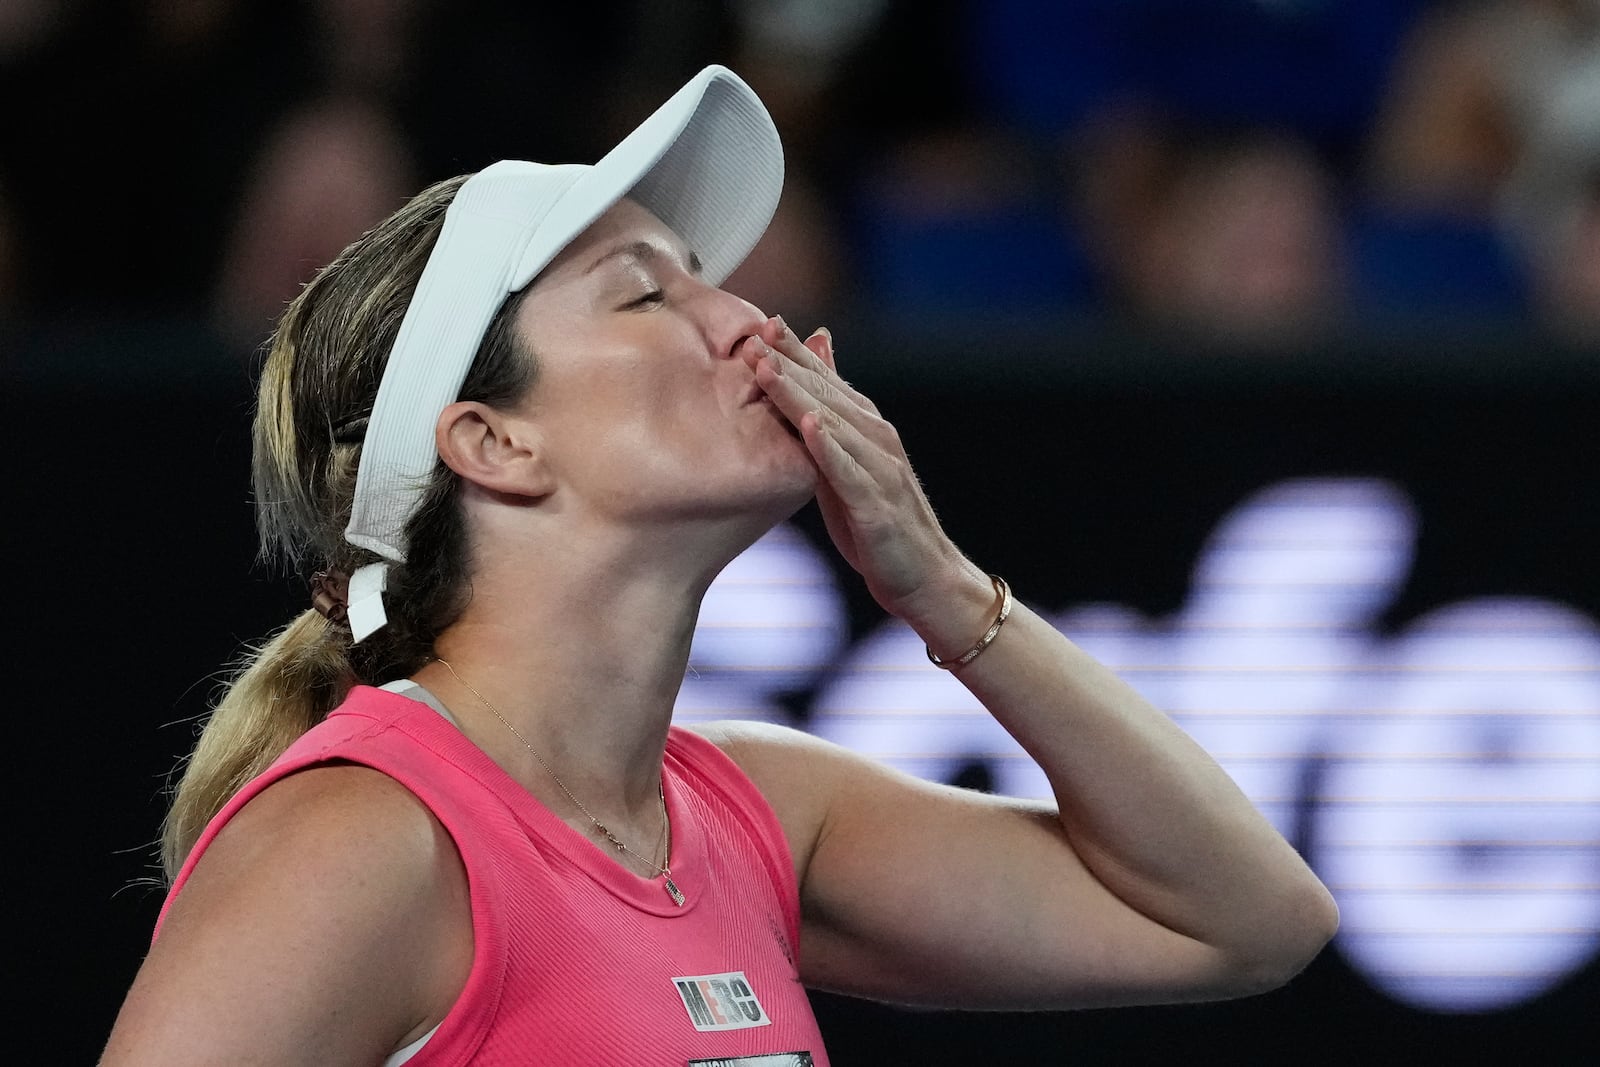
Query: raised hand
871	501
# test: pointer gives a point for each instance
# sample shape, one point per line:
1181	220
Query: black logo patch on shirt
771	1059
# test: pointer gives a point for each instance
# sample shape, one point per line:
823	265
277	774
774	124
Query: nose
728	320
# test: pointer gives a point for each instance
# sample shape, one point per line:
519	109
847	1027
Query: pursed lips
758	396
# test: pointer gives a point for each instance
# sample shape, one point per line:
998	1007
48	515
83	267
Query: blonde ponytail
286	687
316	392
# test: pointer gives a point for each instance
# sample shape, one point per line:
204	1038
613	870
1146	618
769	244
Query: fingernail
783	327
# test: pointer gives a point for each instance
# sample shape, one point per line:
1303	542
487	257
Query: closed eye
655	296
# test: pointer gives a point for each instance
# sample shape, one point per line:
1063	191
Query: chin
742	524
786	493
780	489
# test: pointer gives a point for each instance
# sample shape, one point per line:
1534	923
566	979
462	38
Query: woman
444	818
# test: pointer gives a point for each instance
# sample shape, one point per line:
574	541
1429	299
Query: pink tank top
577	960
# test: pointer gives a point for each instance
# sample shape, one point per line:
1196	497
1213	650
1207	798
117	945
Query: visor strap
366	614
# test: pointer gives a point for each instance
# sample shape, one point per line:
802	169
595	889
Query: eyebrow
645	251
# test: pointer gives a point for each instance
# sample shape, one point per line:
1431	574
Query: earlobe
492	448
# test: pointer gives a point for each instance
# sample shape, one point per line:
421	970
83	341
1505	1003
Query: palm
836	519
871	502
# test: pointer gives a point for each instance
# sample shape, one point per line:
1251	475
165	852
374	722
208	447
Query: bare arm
328	923
1152	879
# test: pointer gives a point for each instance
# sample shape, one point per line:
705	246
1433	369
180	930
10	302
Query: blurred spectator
1484	165
1423	237
1077	175
26	24
1569	269
1232	235
186	27
794	54
126	129
949	216
1312	66
504	79
963	223
1445	138
324	176
797	268
399	74
947	158
366	47
326	169
1550	202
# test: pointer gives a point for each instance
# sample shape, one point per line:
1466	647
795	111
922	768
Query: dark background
1085	467
1109	265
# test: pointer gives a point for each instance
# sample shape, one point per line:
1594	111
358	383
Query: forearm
1159	823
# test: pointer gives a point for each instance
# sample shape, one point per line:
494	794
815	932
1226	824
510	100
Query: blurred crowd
1245	169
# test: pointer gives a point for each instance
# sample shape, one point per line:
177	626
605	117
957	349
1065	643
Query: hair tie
330	594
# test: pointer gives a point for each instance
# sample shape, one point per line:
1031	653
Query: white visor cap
708	163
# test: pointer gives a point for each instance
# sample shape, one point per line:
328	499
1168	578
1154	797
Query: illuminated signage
1444	780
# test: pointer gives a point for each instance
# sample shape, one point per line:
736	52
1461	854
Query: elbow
1307	924
1318	923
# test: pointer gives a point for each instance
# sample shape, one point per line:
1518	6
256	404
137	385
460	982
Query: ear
498	450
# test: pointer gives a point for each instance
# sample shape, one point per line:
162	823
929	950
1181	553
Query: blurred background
1257	342
1246	168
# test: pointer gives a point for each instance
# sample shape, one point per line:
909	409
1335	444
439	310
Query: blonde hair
316	391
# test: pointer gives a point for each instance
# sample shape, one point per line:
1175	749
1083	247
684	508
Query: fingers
821	342
815	355
842	470
797	391
848	439
777	333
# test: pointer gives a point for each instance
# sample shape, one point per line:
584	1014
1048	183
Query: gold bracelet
1003	591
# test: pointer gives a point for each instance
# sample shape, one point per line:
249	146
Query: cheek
639	422
598	392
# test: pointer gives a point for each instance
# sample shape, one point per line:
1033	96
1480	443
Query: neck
581	651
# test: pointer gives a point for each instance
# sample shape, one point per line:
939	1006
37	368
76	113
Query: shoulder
332	907
771	755
340	847
742	735
807	781
787	759
821	790
335	814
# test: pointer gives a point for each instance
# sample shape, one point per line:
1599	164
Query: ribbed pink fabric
577	960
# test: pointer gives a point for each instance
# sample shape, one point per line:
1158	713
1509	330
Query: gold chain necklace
665	871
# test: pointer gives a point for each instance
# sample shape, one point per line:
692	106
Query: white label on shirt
720	1002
